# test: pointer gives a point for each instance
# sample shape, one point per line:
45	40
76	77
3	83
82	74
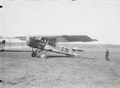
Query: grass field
87	70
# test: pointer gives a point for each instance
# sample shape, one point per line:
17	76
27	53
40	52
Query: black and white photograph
59	44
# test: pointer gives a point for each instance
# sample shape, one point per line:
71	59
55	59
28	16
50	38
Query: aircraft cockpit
42	40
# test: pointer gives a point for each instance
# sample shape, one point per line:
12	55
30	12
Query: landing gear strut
42	53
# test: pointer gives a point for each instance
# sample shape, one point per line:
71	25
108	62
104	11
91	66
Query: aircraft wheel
33	54
2	50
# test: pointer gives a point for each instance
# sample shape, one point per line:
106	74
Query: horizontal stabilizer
77	49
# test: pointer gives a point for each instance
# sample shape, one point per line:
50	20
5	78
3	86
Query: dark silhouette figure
3	41
0	81
1	6
2	45
107	55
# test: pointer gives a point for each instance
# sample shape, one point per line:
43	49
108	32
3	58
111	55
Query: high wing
65	38
71	38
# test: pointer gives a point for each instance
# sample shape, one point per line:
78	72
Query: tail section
76	50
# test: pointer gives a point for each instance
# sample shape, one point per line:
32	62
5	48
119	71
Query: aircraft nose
28	40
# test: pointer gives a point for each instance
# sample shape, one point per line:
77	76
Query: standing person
3	44
107	55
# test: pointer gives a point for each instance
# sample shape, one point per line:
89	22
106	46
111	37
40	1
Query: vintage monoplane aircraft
42	44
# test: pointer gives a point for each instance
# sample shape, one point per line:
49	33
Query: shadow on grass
15	50
58	56
89	58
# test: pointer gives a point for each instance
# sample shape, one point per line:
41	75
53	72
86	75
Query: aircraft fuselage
44	44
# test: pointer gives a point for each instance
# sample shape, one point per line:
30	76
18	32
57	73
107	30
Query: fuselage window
52	44
43	40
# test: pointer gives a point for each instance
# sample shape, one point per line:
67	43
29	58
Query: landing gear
43	54
38	53
33	54
2	50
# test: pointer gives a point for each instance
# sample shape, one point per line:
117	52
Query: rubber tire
2	50
33	55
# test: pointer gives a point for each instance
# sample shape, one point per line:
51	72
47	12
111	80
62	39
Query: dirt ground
87	70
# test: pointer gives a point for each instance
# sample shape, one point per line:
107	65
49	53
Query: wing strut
42	53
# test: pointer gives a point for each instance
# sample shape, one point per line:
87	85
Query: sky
99	19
